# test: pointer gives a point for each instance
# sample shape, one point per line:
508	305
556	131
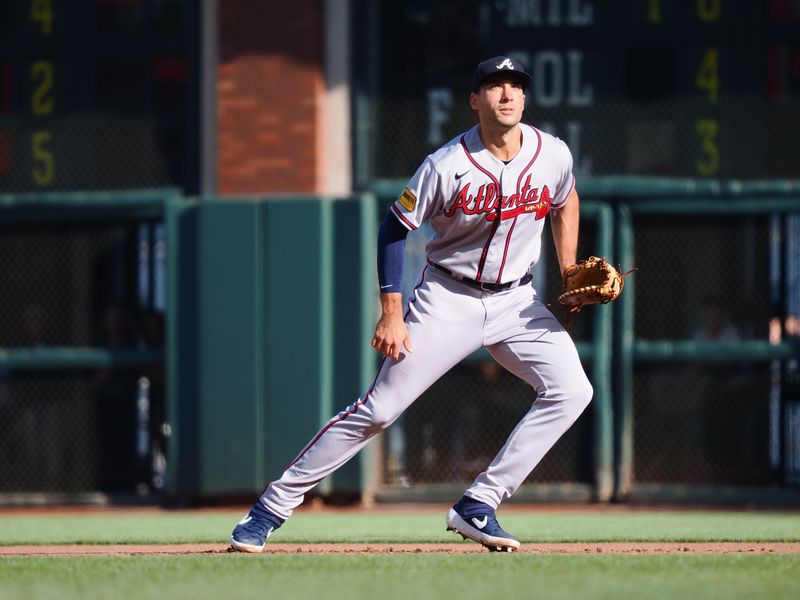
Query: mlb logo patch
407	200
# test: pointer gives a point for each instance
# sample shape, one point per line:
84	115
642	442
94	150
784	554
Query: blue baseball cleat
252	531
476	521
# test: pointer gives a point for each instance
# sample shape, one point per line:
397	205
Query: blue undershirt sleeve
391	254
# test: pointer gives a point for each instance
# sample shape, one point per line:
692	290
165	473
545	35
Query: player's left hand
591	281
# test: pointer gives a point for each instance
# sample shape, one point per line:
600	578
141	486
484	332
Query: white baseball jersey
487	216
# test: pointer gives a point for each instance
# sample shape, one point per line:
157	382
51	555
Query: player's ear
473	101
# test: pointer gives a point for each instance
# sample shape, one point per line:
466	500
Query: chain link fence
48	427
704	424
706	279
71	284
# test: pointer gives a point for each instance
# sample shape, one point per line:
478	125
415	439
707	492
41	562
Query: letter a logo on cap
506	64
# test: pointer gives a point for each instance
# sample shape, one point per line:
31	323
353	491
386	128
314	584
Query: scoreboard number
708	163
42	75
707	78
709	10
41	12
654	11
43	163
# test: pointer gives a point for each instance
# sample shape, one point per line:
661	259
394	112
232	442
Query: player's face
499	102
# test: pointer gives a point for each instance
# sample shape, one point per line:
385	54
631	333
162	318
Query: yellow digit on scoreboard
654	11
708	164
43	162
709	10
41	12
707	77
43	74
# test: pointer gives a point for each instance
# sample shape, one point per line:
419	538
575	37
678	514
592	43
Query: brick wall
270	86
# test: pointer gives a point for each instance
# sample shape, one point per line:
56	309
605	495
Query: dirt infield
636	548
631	548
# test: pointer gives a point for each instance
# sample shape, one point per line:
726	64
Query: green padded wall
230	378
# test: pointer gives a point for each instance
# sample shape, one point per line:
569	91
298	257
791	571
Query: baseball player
486	194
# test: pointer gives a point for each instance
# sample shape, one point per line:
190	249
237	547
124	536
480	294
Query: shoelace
257	526
468	512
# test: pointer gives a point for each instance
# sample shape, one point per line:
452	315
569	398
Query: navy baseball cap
499	64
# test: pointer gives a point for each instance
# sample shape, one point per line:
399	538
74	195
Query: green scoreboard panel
690	88
97	94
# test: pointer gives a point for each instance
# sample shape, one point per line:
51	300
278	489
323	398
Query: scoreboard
103	94
689	88
97	94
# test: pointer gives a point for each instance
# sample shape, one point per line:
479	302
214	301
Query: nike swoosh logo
383	287
247	519
480	524
462	174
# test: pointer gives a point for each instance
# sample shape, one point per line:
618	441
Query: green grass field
407	576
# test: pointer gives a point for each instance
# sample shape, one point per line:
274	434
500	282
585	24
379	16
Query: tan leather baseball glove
590	281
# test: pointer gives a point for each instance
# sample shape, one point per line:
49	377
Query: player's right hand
391	334
390	339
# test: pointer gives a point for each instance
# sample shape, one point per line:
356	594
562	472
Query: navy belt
491	287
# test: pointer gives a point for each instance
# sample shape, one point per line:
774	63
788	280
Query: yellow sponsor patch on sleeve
407	200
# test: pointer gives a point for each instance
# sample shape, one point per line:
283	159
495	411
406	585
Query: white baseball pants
447	321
